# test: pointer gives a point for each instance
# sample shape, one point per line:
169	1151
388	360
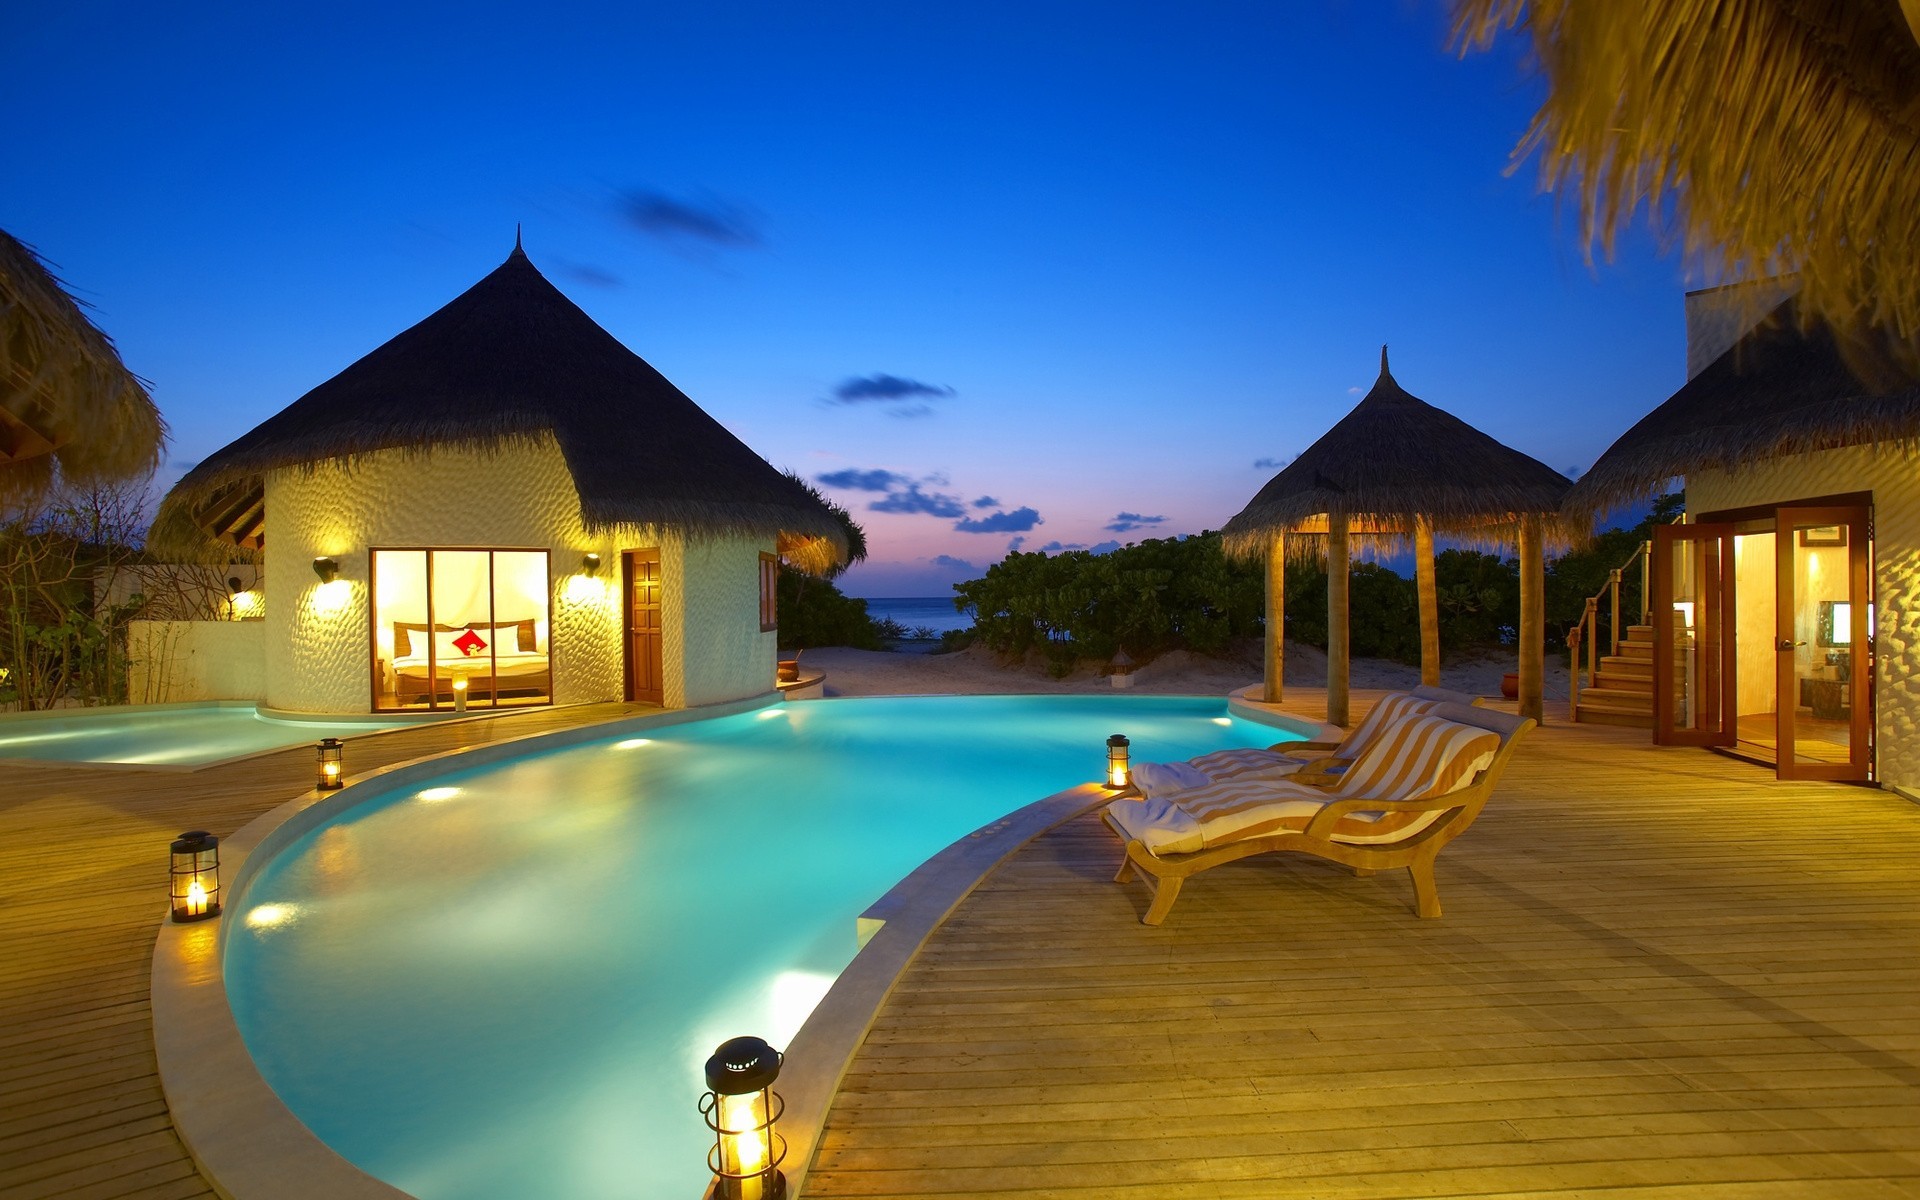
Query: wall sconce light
741	1109
234	587
330	756
590	563
193	882
1118	774
328	569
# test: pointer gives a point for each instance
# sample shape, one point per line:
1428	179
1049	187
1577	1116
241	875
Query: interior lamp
329	754
328	569
193	883
590	563
1118	775
741	1109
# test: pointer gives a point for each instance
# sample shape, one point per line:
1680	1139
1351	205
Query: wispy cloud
712	221
589	274
1020	520
1013	547
955	564
1103	547
863	389
911	499
986	502
1096	548
855	480
1127	522
1270	464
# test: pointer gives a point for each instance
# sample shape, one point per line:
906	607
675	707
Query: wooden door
1824	643
645	675
1693	652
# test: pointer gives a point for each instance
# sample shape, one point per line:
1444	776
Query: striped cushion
1420	757
1247	760
1229	764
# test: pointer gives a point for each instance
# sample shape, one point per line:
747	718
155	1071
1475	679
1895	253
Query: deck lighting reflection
439	793
266	916
330	755
741	1108
633	743
1118	775
194	876
1223	720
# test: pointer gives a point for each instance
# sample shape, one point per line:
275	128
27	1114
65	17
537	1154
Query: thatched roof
1770	137
513	359
65	396
1395	457
1780	389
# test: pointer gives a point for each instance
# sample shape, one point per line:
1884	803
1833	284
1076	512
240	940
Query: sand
978	671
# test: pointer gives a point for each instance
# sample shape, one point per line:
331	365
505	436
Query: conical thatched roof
1395	457
508	360
1769	136
1780	389
65	396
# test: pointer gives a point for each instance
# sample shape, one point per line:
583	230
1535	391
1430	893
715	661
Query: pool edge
245	1141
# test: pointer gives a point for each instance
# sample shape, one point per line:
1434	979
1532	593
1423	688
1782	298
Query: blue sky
1057	272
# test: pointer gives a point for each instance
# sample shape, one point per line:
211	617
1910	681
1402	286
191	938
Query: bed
500	659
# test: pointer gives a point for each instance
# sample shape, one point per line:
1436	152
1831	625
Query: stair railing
1587	632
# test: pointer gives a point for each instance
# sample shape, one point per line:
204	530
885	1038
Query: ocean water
935	612
502	984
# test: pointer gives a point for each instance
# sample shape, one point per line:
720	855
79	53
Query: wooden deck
83	878
1660	973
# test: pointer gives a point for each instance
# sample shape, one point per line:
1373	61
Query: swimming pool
168	735
504	984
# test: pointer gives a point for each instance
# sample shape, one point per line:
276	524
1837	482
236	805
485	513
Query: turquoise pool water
503	985
165	735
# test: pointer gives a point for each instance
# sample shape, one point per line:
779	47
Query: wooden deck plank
1660	973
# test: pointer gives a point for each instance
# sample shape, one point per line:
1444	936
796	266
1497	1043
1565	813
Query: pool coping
250	1146
408	721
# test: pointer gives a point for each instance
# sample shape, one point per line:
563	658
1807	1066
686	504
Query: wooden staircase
1622	690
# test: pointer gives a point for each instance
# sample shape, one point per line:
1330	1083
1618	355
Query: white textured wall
725	656
173	661
1892	474
318	641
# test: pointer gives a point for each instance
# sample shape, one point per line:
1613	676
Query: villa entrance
1763	637
646	676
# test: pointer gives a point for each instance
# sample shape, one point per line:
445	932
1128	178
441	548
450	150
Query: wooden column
1338	560
1533	617
1276	617
1429	601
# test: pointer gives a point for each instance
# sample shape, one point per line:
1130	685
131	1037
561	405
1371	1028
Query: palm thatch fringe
1392	458
508	364
65	396
1766	137
1778	390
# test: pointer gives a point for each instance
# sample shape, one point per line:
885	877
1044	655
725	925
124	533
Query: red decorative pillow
470	643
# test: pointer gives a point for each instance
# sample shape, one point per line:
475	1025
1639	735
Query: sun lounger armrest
1323	821
1290	747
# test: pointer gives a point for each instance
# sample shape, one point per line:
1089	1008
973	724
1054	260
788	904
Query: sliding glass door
1824	643
458	628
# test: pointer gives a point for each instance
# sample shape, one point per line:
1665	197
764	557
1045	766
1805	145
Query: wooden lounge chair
1397	805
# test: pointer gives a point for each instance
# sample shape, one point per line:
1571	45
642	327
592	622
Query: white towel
1160	779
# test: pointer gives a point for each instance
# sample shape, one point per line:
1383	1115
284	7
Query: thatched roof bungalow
1802	485
504	469
65	396
1396	470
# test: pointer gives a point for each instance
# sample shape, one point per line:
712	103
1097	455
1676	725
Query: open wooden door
640	571
1693	652
1824	619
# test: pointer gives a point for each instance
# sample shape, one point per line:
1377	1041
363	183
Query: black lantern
329	753
328	569
741	1110
1118	775
193	882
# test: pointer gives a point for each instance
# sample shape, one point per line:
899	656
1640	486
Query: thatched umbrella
65	396
1780	389
512	359
1770	136
1397	469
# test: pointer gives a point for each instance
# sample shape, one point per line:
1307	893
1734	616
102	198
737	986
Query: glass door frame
1858	520
1714	615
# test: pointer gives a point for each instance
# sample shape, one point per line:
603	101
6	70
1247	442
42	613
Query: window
769	592
453	627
